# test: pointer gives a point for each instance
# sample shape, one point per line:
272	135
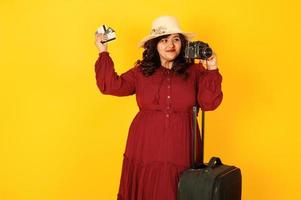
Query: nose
170	43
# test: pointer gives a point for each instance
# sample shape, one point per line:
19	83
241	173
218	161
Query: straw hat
165	25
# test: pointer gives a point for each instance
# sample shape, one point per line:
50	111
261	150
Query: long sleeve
210	94
109	82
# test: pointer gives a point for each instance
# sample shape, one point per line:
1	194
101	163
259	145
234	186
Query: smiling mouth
172	50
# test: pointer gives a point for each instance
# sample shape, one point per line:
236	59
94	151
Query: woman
166	87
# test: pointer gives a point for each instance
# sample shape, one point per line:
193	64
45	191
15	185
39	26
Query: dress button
167	115
168	97
168	86
167	107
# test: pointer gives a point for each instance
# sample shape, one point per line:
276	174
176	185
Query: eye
164	40
177	39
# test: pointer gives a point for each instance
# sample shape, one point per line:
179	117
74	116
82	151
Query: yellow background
60	139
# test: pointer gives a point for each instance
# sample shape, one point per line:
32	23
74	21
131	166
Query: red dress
159	141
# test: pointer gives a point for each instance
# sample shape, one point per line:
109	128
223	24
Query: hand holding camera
210	63
101	47
103	35
201	50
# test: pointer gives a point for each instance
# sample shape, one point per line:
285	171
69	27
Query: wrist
103	50
214	67
101	47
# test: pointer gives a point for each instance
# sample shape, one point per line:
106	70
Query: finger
212	57
204	63
212	62
105	37
99	36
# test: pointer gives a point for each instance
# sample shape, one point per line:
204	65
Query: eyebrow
174	36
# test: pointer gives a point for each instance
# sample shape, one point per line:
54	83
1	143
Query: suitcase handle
214	162
195	165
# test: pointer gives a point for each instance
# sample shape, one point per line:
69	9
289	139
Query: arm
209	88
109	82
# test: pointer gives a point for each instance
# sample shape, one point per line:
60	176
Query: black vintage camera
108	32
197	50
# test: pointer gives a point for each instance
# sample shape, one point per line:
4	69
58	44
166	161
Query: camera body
197	50
108	32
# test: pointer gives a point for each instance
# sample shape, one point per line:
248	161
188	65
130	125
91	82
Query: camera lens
206	53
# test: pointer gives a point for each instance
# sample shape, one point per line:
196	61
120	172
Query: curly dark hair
151	59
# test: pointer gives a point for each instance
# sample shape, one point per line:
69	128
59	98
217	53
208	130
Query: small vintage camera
108	32
197	50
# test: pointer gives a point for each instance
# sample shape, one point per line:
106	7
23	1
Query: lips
171	50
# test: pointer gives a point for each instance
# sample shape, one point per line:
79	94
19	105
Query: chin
171	58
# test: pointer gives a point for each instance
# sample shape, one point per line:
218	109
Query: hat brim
187	35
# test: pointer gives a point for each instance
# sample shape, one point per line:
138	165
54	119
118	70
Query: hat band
159	30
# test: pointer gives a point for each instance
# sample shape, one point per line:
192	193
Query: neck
167	64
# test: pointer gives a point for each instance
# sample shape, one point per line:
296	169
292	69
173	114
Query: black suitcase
212	181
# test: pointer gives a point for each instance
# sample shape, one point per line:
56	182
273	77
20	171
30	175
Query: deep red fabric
159	141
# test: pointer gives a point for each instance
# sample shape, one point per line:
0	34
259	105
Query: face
169	48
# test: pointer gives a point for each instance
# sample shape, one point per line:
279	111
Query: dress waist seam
165	111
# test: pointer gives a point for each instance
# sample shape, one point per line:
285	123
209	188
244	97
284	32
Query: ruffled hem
148	181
